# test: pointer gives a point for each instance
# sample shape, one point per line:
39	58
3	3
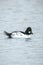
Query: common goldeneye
20	34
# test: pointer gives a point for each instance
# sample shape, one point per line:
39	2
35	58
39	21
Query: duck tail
8	34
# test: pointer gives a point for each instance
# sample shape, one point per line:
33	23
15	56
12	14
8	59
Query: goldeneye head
28	31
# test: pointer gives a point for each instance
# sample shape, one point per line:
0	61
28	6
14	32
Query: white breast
20	35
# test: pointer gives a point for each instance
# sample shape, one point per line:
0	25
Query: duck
20	34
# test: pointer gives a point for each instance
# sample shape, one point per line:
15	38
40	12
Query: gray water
18	15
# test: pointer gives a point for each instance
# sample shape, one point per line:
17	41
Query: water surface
18	15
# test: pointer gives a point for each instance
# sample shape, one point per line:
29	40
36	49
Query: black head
28	31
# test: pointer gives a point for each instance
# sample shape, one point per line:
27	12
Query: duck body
20	34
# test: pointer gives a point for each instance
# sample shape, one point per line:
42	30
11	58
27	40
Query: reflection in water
27	39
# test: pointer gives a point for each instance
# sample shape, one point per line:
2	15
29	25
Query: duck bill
32	33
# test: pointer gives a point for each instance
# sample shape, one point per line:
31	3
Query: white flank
20	35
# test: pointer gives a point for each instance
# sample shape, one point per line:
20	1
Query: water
18	15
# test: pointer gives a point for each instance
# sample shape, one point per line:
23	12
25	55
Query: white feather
20	35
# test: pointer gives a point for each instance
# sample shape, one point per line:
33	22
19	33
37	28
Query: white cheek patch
29	32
